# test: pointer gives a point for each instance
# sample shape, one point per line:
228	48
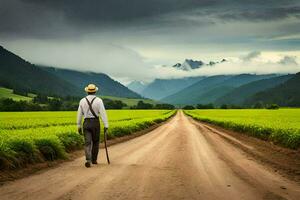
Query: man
90	107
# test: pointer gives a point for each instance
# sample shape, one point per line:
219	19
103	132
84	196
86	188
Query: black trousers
91	130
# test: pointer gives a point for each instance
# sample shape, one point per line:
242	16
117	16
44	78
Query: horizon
138	41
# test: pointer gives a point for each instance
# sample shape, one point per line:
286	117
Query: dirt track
178	160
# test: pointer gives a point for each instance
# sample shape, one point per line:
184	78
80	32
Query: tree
205	106
55	104
113	104
40	98
11	105
20	91
142	105
258	105
224	106
164	106
188	107
272	106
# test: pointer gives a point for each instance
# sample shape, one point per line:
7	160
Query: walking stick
105	138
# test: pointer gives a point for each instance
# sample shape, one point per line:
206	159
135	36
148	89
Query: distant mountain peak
190	64
137	86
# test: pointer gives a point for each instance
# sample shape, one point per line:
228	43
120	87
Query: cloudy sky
132	39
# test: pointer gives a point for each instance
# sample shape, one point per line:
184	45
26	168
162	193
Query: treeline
258	105
44	103
143	105
52	104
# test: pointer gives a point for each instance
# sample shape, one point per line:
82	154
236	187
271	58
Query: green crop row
19	147
25	120
281	126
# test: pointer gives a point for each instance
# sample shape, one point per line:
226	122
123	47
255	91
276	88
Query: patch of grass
29	137
278	126
8	93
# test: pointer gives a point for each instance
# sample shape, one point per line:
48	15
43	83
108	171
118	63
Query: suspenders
90	106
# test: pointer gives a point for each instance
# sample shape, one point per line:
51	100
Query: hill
16	73
240	94
190	95
107	86
285	94
211	88
161	88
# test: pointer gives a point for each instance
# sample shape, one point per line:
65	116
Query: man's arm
79	117
103	114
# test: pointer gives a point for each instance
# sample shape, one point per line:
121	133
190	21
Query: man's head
91	89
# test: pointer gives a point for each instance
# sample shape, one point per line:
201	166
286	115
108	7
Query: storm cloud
54	18
110	36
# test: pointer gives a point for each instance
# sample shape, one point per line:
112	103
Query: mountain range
242	89
239	95
19	74
161	88
211	88
284	94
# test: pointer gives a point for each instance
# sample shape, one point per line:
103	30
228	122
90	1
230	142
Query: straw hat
91	88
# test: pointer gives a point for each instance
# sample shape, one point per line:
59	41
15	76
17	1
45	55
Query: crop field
278	126
30	137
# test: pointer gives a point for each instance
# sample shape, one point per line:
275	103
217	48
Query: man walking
90	107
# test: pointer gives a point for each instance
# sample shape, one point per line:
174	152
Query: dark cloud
53	18
288	60
261	14
251	56
104	12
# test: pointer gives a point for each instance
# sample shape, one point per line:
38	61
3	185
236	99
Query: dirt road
178	160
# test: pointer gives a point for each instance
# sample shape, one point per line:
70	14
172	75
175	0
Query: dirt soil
182	159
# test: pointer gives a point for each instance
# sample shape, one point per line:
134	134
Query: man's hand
80	130
105	129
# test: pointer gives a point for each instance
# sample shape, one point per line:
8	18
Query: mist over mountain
107	86
242	89
18	74
161	88
190	64
137	86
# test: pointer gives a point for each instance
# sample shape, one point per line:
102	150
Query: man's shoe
87	164
95	162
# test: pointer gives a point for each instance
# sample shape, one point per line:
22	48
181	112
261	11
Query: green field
30	137
279	126
8	93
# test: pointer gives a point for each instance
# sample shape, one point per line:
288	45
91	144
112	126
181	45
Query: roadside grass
281	126
32	137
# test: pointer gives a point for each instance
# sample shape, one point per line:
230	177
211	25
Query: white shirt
84	110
